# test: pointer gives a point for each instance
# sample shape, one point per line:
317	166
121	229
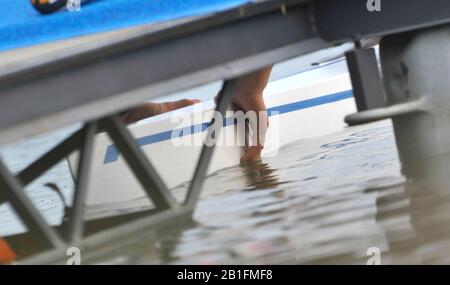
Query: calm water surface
325	200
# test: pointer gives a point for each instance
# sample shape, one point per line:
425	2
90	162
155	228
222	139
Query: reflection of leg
249	97
260	176
153	109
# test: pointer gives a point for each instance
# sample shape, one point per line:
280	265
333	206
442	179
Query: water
17	157
311	204
320	201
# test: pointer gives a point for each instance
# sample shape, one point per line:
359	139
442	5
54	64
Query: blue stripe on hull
112	153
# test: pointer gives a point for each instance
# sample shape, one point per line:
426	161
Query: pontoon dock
91	80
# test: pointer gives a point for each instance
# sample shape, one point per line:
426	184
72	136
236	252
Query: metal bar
226	95
352	20
108	79
139	164
366	80
95	244
75	225
14	193
51	158
415	68
378	114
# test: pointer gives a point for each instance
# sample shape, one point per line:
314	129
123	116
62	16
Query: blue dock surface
21	25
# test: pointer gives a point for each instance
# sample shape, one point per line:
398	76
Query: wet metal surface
326	200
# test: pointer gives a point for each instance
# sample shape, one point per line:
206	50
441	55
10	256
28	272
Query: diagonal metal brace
13	192
138	163
225	98
51	158
74	229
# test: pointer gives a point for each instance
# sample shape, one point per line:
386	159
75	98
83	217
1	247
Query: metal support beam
14	193
139	164
366	80
416	66
104	79
204	160
51	158
75	227
352	20
413	64
95	244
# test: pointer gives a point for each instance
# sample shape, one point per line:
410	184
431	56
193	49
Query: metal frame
350	20
107	78
119	74
13	192
75	85
368	89
95	79
73	227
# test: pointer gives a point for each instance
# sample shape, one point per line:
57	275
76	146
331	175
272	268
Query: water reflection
260	176
428	192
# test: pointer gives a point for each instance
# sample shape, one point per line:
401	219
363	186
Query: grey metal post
208	148
366	81
416	70
75	226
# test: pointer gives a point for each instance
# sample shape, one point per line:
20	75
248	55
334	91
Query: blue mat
21	25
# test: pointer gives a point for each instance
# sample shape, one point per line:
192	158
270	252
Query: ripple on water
322	200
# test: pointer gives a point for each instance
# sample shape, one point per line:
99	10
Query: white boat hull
305	110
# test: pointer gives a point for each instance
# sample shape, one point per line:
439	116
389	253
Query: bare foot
252	102
256	104
152	109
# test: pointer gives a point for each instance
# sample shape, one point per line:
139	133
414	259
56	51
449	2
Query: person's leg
249	97
153	109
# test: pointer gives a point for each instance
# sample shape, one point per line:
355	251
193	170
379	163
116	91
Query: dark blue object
21	25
